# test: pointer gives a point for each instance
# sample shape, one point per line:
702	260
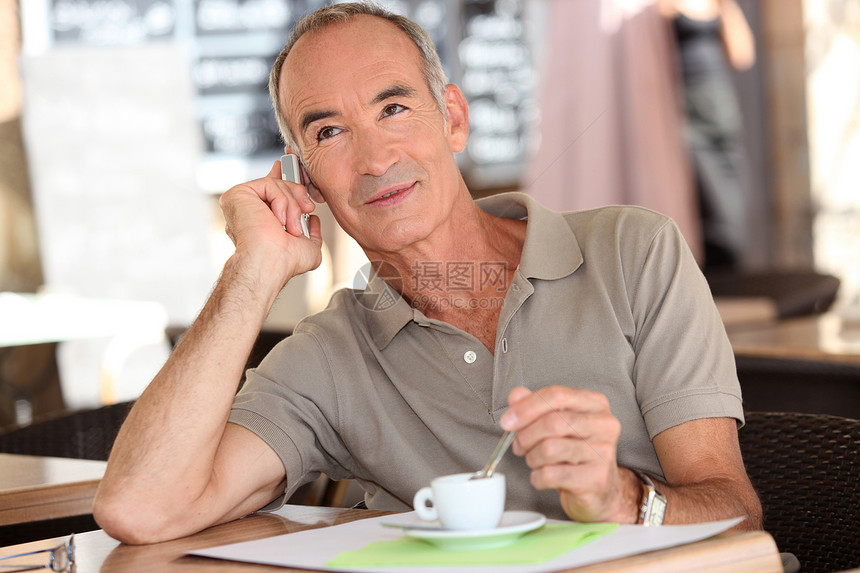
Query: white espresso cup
462	503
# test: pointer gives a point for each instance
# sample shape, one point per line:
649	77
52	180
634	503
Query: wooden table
823	337
34	488
95	551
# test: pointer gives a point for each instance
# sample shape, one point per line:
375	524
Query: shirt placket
509	361
469	357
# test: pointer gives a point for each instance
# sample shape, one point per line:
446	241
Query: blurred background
121	122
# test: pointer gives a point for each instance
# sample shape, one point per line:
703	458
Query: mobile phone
290	171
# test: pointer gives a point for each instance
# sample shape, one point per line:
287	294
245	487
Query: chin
401	234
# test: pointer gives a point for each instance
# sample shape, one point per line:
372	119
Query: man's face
372	138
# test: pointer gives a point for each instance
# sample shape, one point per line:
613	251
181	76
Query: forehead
366	52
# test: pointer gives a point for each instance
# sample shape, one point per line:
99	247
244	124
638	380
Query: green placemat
534	547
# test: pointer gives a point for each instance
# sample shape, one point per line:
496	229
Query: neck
466	264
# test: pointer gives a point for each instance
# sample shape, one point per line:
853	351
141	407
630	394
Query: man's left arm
705	474
569	439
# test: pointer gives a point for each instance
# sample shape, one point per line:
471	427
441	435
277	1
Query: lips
391	195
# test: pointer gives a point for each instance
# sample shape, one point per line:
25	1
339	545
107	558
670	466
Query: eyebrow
397	90
313	116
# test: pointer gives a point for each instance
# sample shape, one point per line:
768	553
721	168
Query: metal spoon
501	448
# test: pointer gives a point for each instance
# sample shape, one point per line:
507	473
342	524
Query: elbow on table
132	524
750	503
756	513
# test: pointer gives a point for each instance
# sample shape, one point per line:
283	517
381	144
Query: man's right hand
263	222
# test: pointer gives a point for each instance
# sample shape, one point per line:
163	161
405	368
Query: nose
375	152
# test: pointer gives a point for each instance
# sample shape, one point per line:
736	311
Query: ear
289	150
457	114
315	193
313	190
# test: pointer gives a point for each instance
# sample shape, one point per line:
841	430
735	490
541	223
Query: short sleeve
684	367
290	401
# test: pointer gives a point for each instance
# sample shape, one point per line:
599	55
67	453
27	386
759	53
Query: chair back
87	434
793	292
806	469
797	385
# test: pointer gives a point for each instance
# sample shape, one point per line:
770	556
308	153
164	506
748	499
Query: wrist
652	511
629	499
263	274
249	284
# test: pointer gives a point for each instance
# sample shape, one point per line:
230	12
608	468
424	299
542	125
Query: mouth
391	195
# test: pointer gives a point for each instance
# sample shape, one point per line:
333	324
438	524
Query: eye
327	132
392	109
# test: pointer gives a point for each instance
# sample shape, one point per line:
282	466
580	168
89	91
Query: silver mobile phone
290	171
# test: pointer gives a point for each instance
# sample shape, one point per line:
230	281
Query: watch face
658	511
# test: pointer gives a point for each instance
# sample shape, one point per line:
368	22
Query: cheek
326	168
434	141
314	162
428	127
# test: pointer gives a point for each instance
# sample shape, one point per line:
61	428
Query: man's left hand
569	439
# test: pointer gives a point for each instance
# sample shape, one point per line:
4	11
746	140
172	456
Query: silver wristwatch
653	508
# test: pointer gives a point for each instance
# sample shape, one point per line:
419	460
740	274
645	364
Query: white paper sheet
314	548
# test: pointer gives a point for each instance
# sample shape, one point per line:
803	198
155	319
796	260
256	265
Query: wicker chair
87	434
806	469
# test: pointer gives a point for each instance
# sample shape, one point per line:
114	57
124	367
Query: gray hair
432	71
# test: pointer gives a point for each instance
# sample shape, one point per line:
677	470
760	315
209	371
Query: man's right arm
177	466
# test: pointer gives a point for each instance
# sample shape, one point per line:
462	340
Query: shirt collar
550	252
385	310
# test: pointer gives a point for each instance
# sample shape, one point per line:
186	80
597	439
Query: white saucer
513	525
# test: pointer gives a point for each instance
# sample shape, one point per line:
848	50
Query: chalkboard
499	81
97	22
232	44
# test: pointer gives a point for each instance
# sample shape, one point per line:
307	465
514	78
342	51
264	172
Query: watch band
653	508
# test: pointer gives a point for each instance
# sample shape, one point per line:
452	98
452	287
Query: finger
586	483
254	197
517	394
274	193
554	437
286	199
516	397
315	229
574	443
295	210
552	398
292	211
590	426
558	451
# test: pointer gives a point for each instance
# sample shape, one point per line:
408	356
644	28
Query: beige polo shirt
609	300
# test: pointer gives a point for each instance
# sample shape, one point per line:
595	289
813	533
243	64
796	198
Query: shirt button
470	356
515	287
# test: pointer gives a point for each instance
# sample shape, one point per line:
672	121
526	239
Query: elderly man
592	334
